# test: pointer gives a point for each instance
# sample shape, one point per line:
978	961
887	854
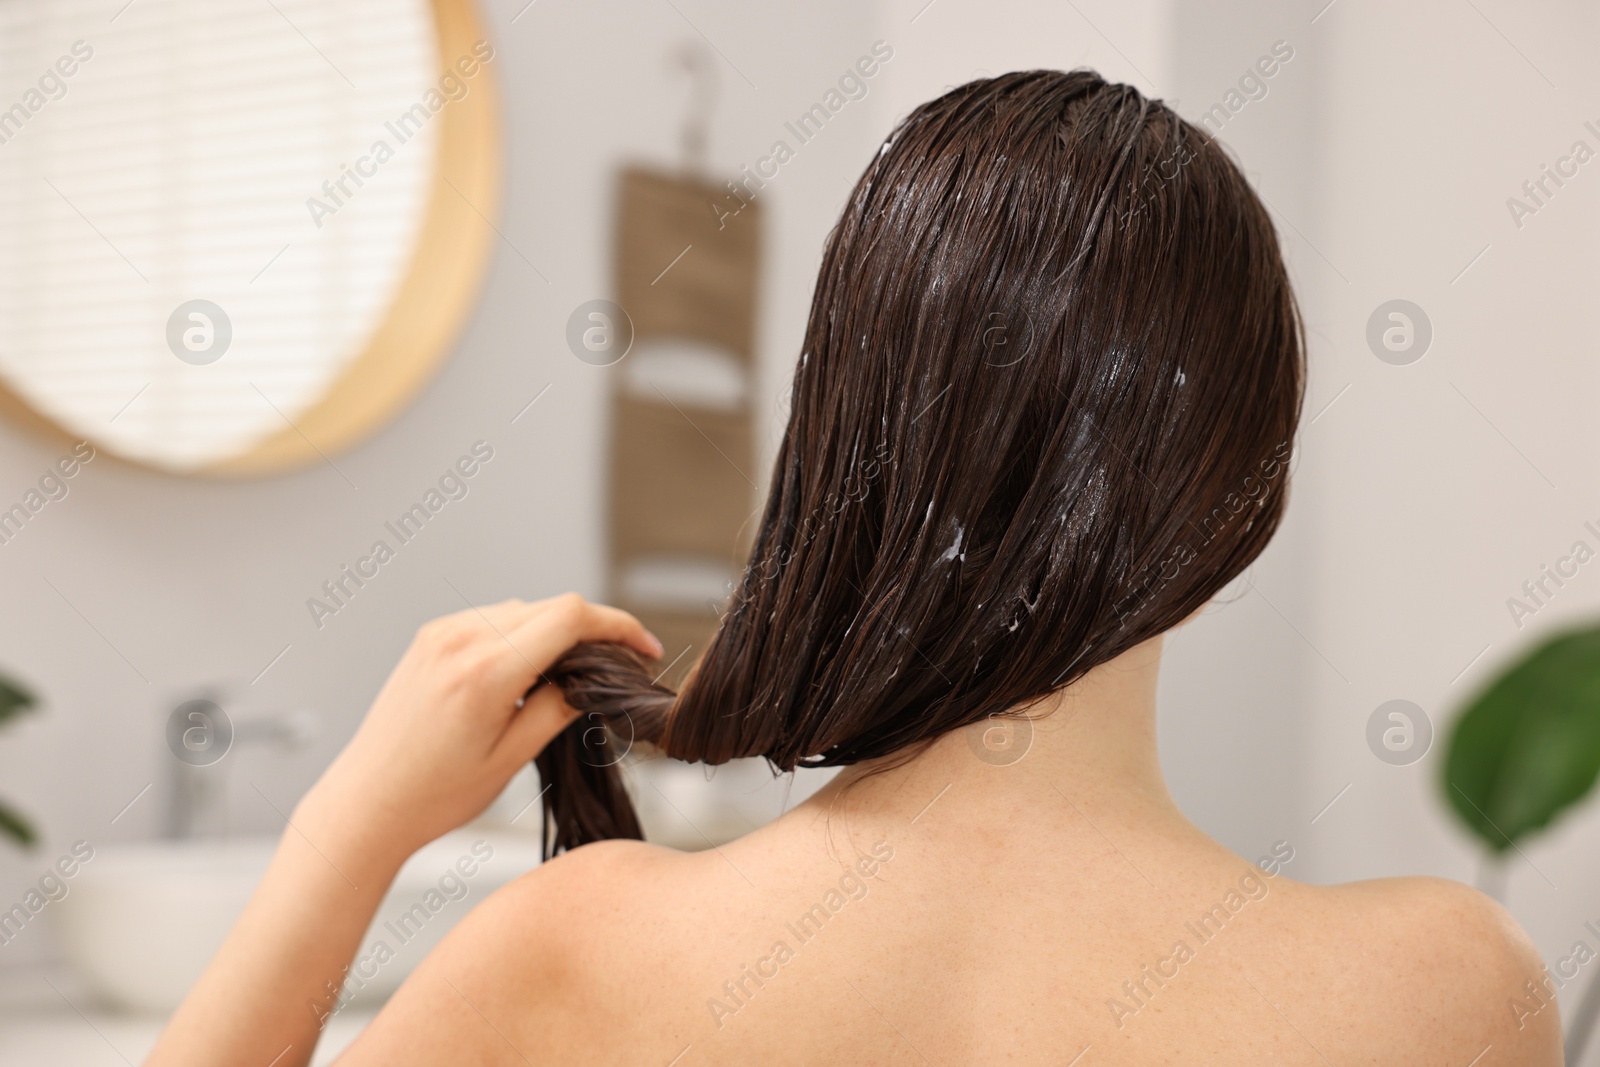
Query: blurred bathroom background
1432	479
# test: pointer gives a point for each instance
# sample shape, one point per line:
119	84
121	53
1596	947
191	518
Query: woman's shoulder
1430	920
536	962
601	867
1420	897
577	920
1427	960
583	897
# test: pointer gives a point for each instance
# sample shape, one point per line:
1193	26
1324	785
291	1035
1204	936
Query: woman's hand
450	727
447	732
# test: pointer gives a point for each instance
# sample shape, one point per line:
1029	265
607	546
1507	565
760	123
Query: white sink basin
142	920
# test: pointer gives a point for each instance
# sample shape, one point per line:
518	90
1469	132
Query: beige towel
680	474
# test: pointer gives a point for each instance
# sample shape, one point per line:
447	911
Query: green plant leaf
14	700
1528	747
16	827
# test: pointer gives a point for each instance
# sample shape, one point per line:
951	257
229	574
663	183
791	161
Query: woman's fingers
546	712
566	614
570	620
507	616
535	725
523	640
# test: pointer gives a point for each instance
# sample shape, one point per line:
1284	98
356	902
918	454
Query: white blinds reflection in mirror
168	151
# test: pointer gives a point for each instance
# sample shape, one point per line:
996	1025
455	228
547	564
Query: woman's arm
444	736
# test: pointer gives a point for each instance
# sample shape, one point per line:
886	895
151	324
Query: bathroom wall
1441	487
1425	494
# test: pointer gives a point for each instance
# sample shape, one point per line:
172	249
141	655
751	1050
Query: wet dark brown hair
1043	413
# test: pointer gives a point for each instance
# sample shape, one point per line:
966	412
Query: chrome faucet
197	790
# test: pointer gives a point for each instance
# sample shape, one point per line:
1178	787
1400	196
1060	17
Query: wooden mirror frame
429	306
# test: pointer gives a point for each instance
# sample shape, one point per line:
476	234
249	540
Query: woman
1042	415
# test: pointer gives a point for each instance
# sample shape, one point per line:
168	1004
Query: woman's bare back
952	912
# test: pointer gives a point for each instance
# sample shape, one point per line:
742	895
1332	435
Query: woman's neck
1093	743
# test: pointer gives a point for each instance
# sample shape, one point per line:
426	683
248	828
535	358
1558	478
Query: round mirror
239	236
